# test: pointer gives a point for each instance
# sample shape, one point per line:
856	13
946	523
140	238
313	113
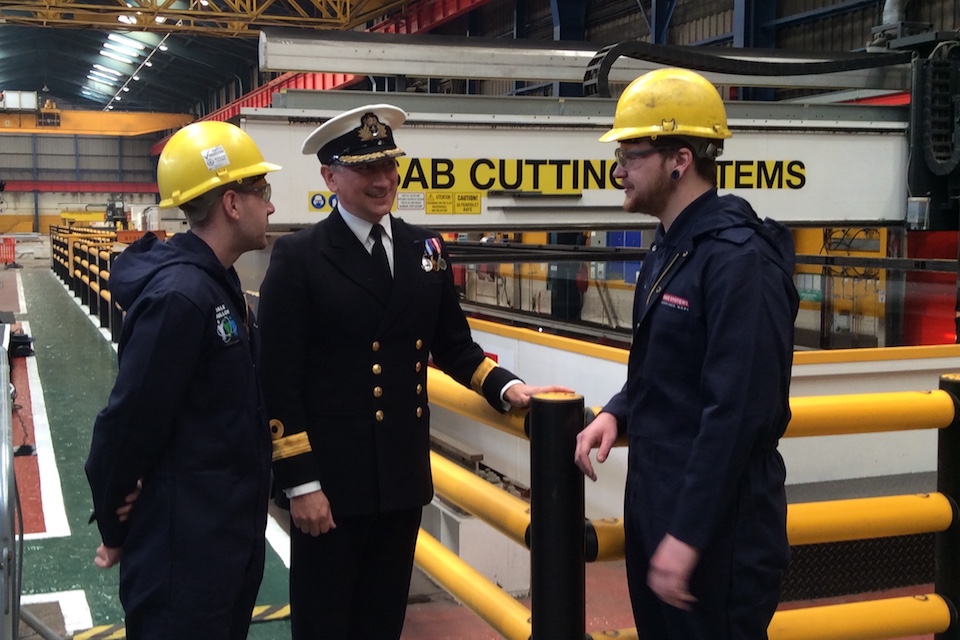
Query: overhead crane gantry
224	18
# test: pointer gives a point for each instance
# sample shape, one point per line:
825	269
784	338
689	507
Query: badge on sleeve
226	325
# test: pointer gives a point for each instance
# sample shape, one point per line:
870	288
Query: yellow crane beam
234	18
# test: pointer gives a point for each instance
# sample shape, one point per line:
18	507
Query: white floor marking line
279	540
73	606
92	318
54	513
21	301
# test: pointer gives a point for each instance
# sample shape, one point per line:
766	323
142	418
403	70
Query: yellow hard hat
669	102
203	156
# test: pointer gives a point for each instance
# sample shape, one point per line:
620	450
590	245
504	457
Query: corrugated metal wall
76	158
694	21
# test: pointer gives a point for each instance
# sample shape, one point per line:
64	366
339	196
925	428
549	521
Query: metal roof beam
228	19
480	58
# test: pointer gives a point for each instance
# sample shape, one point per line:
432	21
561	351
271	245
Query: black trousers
352	582
195	603
735	600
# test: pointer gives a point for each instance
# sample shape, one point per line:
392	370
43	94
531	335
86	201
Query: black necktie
380	256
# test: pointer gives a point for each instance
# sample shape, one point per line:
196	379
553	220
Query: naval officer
352	310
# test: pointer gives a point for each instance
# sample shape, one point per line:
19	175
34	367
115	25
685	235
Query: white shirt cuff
302	489
503	392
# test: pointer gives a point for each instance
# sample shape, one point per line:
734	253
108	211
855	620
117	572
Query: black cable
19	573
715	60
25	448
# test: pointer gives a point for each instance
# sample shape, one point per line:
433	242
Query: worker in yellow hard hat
708	378
180	460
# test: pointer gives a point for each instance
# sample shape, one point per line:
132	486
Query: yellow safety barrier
507	616
870	620
503	511
870	412
610	539
808	523
82	259
864	518
830	521
448	393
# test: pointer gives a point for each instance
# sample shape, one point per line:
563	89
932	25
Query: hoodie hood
140	262
731	213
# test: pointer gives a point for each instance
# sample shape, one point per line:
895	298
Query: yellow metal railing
83	259
807	523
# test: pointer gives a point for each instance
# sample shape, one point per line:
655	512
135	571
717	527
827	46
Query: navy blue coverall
185	416
705	403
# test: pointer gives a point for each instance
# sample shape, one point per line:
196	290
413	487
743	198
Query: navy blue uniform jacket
185	416
706	397
345	365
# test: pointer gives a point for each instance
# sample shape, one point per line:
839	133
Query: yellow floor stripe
262	613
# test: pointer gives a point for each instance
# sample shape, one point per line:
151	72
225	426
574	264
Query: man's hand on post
519	395
600	434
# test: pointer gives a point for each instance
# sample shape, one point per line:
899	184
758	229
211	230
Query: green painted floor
77	366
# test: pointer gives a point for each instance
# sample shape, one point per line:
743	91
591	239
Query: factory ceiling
153	55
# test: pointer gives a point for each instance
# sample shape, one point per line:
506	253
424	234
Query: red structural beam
427	15
76	186
891	99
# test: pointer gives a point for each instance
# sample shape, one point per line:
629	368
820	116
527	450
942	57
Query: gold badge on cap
371	128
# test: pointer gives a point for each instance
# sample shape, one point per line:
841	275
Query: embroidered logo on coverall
226	325
675	302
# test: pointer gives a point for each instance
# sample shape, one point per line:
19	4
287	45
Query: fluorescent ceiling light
98	74
117	98
136	77
113	56
101	80
114	72
126	42
126	19
148	63
90	91
126	51
162	47
125	89
160	19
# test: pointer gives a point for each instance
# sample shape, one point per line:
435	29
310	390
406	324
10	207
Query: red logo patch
675	302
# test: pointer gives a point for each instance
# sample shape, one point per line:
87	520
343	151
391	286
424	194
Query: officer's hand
107	556
311	513
123	512
519	394
599	434
670	569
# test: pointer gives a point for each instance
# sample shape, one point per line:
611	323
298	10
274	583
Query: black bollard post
947	581
556	519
